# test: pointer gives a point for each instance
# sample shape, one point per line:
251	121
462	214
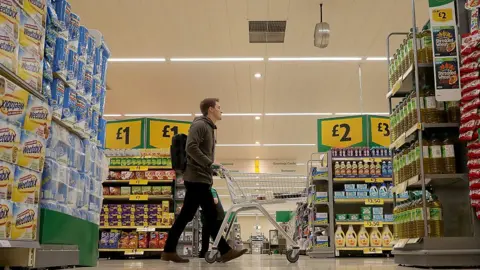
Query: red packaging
476	204
471	4
162	240
475	194
475	84
470	67
113	175
133	240
142	240
473	145
139	175
471	95
150	175
106	191
470	115
123	243
470	105
127	175
473	163
474	184
472	57
153	242
114	190
466	78
468	126
468	136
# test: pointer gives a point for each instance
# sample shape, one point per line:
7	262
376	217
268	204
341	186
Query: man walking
198	182
205	232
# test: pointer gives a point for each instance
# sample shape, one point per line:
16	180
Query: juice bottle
453	111
363	237
348	170
437	160
387	236
372	169
354	169
448	155
378	169
339	237
342	168
360	168
375	238
351	237
337	168
436	217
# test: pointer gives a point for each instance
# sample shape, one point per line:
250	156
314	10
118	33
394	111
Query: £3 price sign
341	132
379	130
125	134
160	132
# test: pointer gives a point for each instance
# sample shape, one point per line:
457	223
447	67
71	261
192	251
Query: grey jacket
200	151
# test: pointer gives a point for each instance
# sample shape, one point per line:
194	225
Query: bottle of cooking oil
408	117
441	112
392	125
427	160
416	158
413	109
401	221
448	155
427	45
423	111
436	217
413	164
453	111
431	106
394	78
400	167
396	221
419	218
437	160
395	170
408	218
407	170
398	66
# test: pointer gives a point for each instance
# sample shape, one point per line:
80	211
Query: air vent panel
267	31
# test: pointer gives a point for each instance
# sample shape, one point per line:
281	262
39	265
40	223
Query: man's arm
195	137
215	195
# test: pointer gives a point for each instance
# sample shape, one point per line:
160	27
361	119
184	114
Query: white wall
247	229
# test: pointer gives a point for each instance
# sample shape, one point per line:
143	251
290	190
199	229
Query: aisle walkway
257	262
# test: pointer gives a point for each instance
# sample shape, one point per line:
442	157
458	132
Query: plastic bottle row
361	152
362	169
363	238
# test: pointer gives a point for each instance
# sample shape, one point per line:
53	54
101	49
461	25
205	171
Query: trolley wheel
290	257
219	257
210	257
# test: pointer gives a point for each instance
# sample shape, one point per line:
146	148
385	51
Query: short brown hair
207	104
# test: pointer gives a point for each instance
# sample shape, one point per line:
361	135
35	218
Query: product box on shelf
9	142
377	217
321	241
13	102
38	118
341	217
351	194
7	175
362	194
60	58
32	151
367	217
362	187
26	186
388	217
350	187
321	196
366	210
30	67
37	9
354	217
9	24
32	35
24	223
6	210
339	194
321	217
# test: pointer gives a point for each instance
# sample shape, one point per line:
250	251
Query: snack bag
24	221
13	102
133	240
7	174
142	240
154	240
32	151
9	142
26	186
162	240
6	213
38	118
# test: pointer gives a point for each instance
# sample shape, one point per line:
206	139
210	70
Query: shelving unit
459	246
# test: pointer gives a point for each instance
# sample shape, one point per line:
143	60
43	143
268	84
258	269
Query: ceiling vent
267	31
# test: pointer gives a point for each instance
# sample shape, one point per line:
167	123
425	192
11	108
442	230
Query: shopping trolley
250	191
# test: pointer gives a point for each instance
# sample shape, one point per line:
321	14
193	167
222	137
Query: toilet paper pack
57	95
6	214
13	102
69	106
7	174
60	59
26	186
9	142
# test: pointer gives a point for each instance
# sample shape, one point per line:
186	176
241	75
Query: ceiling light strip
136	60
374	58
218	59
298	114
159	115
112	115
289	144
334	59
236	144
366	113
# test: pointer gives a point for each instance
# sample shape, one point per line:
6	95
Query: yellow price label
372	250
380	130
138	198
138	168
133	252
146	229
160	132
372	224
340	132
374	180
374	201
125	134
442	15
138	182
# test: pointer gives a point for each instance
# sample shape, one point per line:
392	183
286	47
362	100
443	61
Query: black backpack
178	152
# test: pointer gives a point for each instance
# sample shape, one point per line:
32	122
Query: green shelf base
60	229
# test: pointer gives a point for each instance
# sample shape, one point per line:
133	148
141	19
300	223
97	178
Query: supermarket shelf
366	250
405	84
365	159
138	228
430	180
20	82
321	252
69	128
139	168
320	203
138	182
371	201
19	244
362	179
361	222
406	137
130	250
139	198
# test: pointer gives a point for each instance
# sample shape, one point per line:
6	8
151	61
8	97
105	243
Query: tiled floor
257	262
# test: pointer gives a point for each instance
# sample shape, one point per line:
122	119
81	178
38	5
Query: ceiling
215	28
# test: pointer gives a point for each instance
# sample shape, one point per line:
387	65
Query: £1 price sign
379	130
341	132
125	134
160	132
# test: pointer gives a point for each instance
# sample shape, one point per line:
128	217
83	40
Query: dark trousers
206	236
198	194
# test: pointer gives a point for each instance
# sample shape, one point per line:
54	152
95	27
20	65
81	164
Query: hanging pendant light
322	32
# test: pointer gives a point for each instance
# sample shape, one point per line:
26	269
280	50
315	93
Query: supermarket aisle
258	262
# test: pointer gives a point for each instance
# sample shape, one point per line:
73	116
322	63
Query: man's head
210	107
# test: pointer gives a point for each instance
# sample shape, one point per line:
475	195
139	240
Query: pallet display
363	201
58	160
435	226
318	212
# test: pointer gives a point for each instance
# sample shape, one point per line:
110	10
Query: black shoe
201	254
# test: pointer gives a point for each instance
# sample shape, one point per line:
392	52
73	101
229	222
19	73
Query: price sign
380	130
125	134
5	243
138	168
374	180
372	250
442	15
374	202
138	182
372	224
341	132
401	243
160	132
146	229
138	198
133	252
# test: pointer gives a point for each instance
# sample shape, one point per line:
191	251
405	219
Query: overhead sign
125	134
341	132
160	132
379	128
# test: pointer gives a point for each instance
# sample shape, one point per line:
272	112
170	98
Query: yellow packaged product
26	186
24	221
7	174
13	102
37	9
9	27
32	35
9	142
32	151
6	213
30	67
38	118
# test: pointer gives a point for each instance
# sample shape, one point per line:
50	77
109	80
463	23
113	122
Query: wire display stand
250	191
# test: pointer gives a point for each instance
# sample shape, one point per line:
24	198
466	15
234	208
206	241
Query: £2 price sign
160	132
125	134
379	131
341	132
